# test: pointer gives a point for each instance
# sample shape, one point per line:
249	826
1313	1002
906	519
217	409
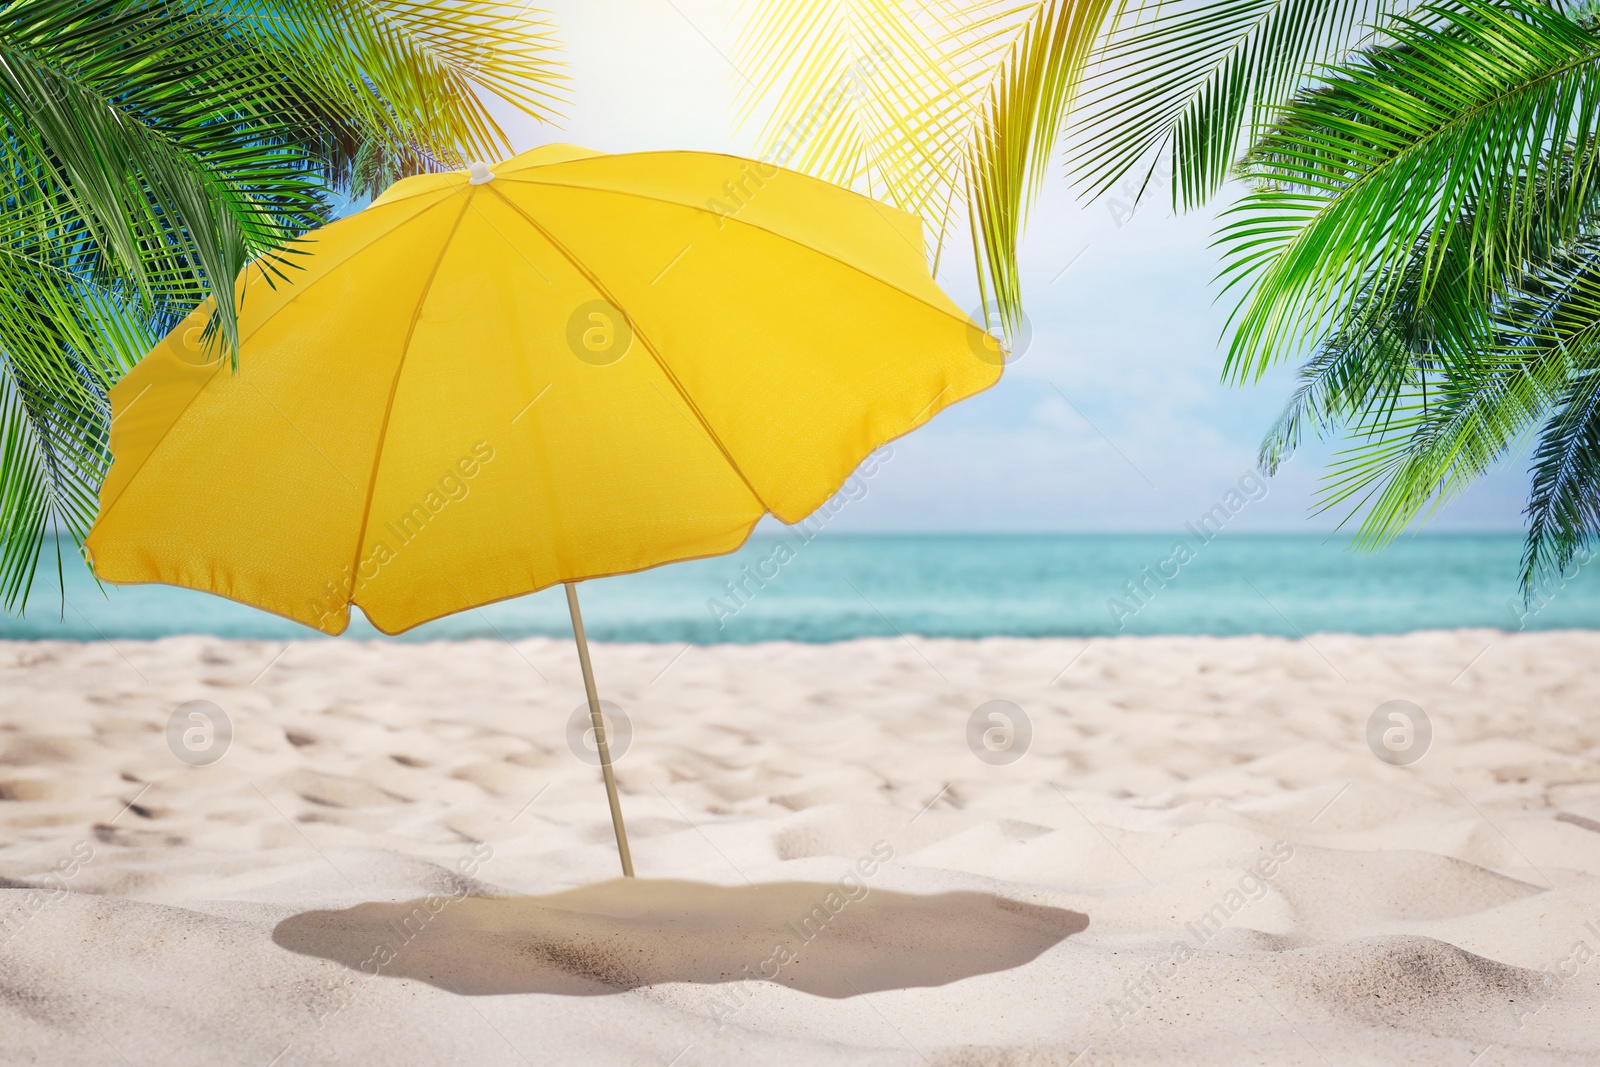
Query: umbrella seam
886	283
648	345
346	260
107	506
394	388
917	423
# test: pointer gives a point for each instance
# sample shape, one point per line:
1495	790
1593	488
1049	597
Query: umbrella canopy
558	367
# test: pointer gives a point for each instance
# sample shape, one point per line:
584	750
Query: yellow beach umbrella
559	367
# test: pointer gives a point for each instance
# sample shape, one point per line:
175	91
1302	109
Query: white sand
400	862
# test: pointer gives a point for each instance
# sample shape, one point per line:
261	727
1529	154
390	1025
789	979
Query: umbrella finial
480	174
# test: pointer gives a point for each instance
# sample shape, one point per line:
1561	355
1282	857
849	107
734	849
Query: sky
1113	419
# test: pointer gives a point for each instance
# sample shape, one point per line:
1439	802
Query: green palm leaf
1429	216
1564	506
169	197
1198	83
1463	116
1021	115
62	341
1434	392
386	88
1563	312
1430	403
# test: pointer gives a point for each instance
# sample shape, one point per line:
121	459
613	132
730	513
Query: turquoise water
839	586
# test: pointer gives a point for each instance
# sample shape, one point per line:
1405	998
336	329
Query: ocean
838	586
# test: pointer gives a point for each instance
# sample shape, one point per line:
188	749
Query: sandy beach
1198	859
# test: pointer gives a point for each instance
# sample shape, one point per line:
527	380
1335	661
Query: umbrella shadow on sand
830	940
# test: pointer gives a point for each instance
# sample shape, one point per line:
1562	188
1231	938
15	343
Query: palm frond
1564	499
1467	114
1011	144
863	93
62	342
1197	83
1429	403
1415	454
386	88
926	106
172	199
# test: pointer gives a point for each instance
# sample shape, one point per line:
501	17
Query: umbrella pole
599	730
